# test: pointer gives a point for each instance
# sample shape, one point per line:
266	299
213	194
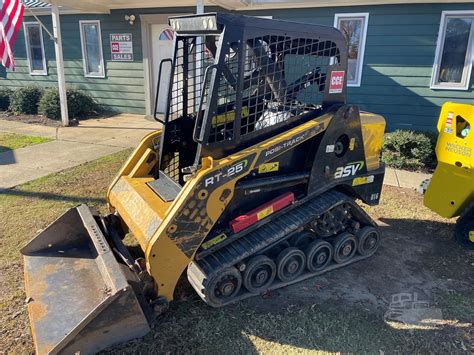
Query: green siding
122	89
399	55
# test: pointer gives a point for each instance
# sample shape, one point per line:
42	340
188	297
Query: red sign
449	120
115	47
337	82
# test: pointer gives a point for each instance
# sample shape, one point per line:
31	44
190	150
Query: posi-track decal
286	145
348	170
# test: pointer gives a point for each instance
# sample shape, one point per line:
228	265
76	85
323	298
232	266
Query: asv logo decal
231	171
348	170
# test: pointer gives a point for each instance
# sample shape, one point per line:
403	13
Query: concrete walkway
95	138
403	178
71	146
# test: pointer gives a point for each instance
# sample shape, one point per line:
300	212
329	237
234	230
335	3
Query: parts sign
121	47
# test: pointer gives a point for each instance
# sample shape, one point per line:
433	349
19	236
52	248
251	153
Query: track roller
345	246
318	255
223	286
369	240
291	263
259	273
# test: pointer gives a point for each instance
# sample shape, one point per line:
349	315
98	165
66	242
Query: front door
162	48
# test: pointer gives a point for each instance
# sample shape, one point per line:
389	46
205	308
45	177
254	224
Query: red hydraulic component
255	215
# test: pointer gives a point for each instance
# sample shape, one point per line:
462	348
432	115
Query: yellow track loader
251	185
450	191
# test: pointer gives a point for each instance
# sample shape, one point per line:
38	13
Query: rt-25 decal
231	171
348	170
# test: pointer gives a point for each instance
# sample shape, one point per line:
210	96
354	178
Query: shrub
5	94
25	100
49	104
79	103
409	150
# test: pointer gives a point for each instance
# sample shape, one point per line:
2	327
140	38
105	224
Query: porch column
58	48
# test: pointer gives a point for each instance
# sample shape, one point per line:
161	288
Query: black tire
368	240
302	239
345	246
223	286
290	263
259	274
464	228
318	255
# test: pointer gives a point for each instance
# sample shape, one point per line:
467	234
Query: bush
5	94
25	100
79	103
409	150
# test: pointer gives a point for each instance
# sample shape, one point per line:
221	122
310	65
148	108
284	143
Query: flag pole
58	48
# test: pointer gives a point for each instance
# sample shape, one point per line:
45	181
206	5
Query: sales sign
121	47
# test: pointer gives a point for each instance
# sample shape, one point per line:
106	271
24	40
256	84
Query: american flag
11	14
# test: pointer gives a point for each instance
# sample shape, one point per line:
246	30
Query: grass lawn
11	141
342	311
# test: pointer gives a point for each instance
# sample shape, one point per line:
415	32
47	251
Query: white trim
361	53
468	61
89	75
27	44
146	21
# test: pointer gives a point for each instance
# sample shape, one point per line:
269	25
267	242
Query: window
91	43
453	59
354	28
35	48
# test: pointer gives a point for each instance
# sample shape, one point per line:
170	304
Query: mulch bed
31	119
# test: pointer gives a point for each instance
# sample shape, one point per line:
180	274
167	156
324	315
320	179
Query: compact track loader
250	186
450	192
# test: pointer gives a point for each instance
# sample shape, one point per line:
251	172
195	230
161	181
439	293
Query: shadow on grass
48	196
7	156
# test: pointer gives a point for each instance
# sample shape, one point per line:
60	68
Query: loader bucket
79	297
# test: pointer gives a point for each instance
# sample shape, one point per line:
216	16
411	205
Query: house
405	57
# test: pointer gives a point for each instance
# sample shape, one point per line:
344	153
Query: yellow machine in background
450	192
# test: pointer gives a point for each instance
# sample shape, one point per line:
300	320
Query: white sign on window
121	46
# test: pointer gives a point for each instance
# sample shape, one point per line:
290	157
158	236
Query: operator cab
238	80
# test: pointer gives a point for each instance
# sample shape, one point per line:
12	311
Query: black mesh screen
260	82
192	59
281	77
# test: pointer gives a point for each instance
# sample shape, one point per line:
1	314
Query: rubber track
194	275
267	235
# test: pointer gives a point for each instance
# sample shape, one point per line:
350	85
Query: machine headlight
211	23
194	23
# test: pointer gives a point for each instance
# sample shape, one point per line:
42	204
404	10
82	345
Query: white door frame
146	22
